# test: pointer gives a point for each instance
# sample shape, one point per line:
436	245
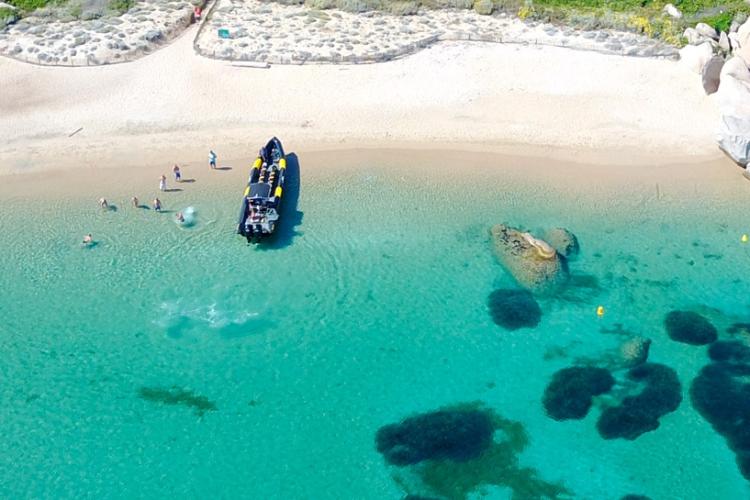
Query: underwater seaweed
690	328
177	396
569	393
439	474
639	414
514	309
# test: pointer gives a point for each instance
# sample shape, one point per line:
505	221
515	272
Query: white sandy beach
172	106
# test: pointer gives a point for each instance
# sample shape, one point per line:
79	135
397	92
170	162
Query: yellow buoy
600	311
744	238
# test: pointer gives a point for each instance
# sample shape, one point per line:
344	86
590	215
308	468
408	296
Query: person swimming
180	218
88	240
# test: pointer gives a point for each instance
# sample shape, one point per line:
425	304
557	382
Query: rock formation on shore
723	61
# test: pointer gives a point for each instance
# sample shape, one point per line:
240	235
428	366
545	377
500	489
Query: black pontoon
259	213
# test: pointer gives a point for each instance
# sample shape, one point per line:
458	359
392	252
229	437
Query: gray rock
711	73
616	46
734	103
734	138
693	37
724	42
743	38
79	40
706	31
153	36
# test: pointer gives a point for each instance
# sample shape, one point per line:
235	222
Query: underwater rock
514	309
690	328
563	241
458	451
457	435
533	263
631	353
639	414
568	395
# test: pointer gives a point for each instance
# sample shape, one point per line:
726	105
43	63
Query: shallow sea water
371	306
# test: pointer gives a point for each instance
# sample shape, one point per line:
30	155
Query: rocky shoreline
284	34
722	59
264	32
105	40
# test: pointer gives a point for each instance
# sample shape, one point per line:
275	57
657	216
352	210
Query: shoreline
560	171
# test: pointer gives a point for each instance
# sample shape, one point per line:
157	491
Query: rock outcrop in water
631	353
569	394
639	414
563	241
454	452
514	309
532	262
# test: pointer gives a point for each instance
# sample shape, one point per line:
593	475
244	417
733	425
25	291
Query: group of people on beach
88	240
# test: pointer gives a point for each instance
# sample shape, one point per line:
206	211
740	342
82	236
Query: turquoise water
284	361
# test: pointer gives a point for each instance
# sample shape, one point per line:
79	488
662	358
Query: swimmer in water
180	218
87	240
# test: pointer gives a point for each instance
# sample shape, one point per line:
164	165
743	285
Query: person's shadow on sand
289	216
223	167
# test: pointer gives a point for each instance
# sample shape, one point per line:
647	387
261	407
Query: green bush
29	5
121	6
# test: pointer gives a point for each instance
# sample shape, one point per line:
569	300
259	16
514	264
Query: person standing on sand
157	204
134	201
103	203
211	159
177	173
163	183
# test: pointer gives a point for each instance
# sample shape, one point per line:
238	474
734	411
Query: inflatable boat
259	213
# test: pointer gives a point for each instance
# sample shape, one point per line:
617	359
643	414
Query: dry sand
173	106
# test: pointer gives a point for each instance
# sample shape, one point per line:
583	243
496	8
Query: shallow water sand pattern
356	322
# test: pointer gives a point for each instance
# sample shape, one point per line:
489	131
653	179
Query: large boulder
734	103
693	37
743	39
707	31
711	73
734	138
724	42
533	263
695	57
